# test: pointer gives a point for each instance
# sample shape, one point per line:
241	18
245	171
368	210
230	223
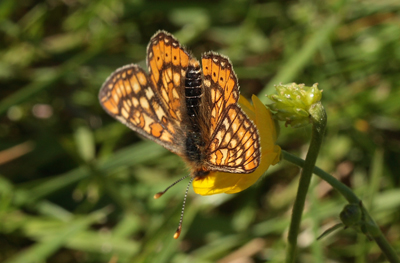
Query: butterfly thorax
196	131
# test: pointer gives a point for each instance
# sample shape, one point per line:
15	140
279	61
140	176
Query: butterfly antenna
178	231
159	194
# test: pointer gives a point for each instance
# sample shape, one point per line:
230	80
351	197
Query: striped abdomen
193	91
193	95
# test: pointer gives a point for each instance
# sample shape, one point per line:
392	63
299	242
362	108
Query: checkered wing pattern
235	145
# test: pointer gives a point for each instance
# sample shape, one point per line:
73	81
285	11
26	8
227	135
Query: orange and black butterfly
188	108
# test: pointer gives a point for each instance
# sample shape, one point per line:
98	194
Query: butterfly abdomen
193	90
193	99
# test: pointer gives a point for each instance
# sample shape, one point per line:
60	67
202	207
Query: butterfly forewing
168	62
220	79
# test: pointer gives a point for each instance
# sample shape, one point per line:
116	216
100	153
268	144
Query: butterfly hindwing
235	145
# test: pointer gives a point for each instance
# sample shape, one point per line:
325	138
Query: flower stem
318	116
340	187
372	228
375	232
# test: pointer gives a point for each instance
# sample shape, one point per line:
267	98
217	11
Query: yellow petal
247	107
220	182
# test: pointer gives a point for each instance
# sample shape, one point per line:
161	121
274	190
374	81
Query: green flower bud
351	215
293	101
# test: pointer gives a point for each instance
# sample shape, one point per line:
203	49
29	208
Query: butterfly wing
235	145
167	62
151	104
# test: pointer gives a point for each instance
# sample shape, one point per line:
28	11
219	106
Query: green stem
372	228
318	116
340	187
375	232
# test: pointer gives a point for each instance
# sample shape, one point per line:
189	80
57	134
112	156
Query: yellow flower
229	183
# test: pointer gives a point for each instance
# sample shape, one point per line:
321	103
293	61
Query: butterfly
188	108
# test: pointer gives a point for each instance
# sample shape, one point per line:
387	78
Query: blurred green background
77	186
